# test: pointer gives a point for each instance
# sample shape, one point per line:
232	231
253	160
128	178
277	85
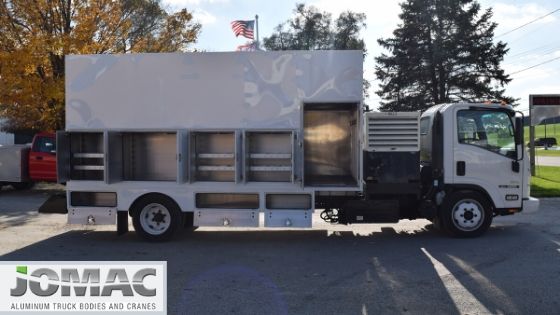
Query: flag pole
257	26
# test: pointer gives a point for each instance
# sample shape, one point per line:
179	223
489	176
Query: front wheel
466	214
156	218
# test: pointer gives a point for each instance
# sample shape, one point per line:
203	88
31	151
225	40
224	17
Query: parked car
544	142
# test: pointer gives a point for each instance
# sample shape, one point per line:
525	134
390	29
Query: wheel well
150	195
467	188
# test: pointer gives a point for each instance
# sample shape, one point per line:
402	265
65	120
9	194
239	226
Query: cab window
490	130
424	125
45	145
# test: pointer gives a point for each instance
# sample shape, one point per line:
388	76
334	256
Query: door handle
461	168
38	158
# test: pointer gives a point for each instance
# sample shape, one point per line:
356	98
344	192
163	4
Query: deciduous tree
35	35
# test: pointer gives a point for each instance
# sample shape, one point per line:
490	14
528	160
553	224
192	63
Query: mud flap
55	204
122	222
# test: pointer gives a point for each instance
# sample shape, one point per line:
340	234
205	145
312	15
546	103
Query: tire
156	217
466	214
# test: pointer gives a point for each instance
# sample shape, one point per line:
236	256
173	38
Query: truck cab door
42	158
485	154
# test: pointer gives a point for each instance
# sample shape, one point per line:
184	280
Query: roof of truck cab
443	107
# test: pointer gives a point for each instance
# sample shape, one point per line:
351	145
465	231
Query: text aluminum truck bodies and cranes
264	139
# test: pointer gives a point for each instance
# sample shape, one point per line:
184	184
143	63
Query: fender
471	187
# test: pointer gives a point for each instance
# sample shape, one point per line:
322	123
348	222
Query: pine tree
443	51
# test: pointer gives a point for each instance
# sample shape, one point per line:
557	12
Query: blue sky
529	46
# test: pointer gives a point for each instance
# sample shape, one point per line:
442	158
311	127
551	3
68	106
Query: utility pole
257	46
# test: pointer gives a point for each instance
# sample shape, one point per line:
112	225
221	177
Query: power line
530	22
541	55
534	66
526	52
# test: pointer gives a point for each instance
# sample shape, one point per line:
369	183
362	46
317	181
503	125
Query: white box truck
245	139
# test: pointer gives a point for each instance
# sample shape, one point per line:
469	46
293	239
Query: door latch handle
461	168
38	158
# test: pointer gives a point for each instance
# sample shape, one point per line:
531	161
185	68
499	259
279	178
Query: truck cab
477	164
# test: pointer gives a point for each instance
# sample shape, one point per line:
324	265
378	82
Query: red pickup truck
22	165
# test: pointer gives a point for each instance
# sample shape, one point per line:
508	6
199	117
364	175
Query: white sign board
543	106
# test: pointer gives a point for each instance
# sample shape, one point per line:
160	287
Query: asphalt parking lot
405	268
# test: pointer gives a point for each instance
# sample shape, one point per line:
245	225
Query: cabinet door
182	156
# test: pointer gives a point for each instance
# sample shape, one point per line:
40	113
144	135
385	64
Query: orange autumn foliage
35	35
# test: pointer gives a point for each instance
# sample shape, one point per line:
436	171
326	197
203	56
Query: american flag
243	28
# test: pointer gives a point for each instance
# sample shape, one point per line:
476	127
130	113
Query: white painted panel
206	90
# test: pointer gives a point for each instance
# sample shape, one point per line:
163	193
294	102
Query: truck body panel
200	128
264	90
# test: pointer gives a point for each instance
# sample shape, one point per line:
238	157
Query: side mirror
518	131
519	138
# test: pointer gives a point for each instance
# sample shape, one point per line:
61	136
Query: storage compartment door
183	156
331	144
150	156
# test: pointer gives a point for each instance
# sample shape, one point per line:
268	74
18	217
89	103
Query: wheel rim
155	219
468	215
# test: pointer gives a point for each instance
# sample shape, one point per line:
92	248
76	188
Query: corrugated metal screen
397	131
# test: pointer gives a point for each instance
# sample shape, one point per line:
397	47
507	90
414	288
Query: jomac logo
116	280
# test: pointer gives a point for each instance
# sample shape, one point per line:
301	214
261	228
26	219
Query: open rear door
63	165
331	145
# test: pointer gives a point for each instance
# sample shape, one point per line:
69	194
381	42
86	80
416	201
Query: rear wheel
466	214
156	217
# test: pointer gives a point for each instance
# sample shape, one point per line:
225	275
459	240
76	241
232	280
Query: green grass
546	182
552	131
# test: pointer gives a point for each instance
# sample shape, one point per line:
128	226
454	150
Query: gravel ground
405	268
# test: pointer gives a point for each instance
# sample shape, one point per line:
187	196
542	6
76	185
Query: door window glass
490	130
